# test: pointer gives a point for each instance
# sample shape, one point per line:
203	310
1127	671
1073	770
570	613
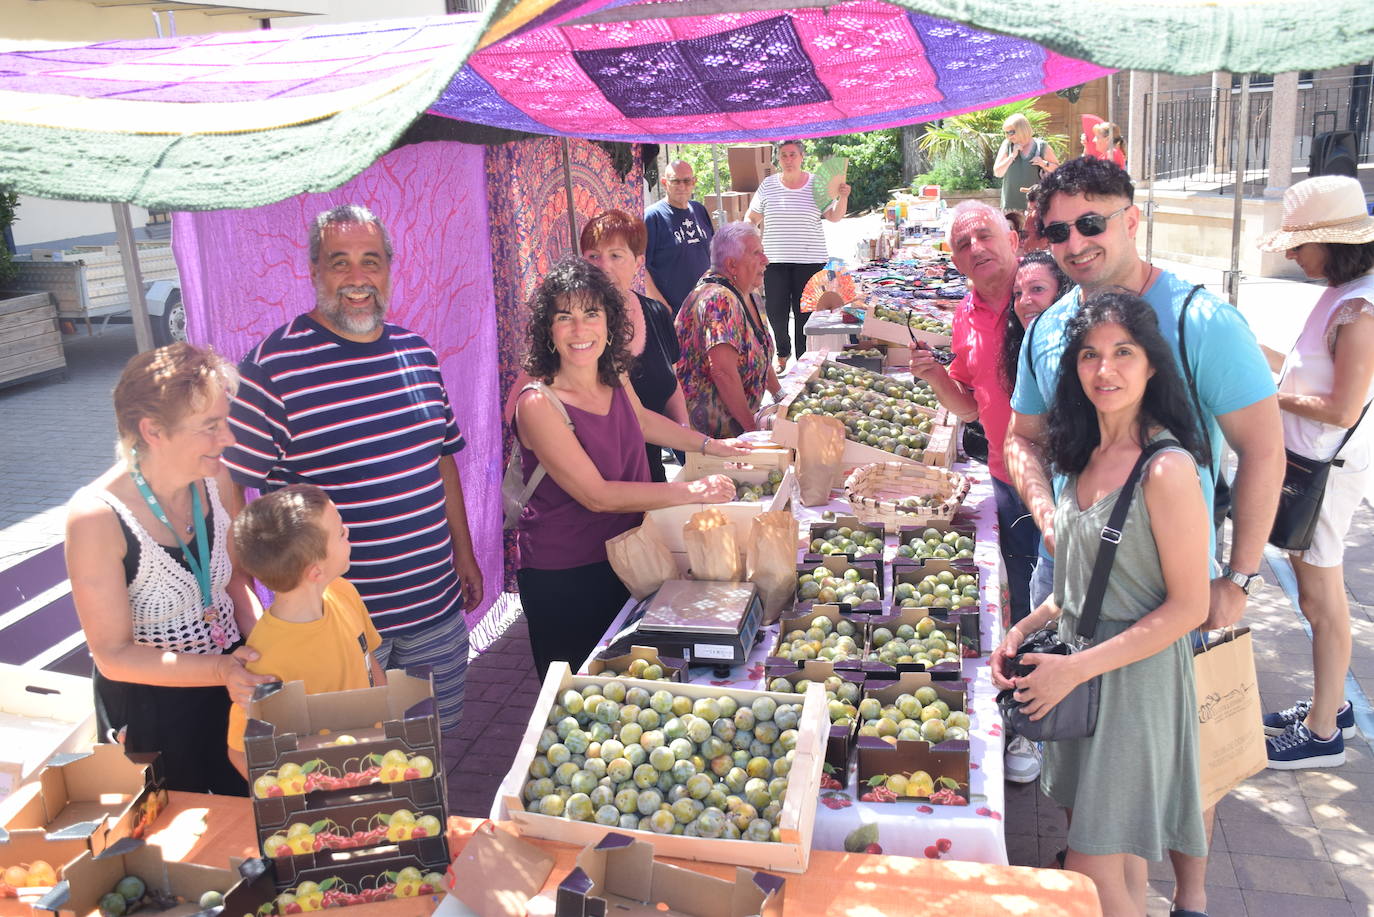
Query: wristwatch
1250	584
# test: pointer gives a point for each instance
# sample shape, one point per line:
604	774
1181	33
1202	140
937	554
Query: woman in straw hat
1327	380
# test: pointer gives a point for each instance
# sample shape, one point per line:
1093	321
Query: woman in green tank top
1020	161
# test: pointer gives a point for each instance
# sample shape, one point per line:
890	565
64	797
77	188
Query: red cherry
984	810
924	808
275	790
292	908
873	848
418	832
943	844
932	853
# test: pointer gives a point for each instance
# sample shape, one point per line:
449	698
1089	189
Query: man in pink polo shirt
983	248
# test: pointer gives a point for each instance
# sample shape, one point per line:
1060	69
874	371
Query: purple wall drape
246	272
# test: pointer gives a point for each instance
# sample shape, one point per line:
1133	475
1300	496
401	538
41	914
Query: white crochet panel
1350	310
164	597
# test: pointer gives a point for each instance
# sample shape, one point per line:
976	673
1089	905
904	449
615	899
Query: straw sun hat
1328	208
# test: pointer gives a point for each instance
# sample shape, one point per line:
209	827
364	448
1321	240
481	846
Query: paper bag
641	560
770	561
712	546
1230	733
820	446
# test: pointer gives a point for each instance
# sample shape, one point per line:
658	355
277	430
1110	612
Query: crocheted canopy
243	119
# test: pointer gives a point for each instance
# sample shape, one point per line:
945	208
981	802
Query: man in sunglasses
679	247
1090	222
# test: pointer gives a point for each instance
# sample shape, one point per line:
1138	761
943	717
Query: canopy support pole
719	214
1242	162
573	245
133	277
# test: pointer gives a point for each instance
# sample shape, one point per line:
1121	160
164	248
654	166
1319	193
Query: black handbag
1075	717
975	441
1300	500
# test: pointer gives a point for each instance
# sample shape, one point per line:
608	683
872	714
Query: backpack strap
514	509
1030	349
1192	382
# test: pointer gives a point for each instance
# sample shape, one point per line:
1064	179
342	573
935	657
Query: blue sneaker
1298	749
1278	723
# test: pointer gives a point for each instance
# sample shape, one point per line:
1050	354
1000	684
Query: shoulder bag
1300	500
1075	717
515	490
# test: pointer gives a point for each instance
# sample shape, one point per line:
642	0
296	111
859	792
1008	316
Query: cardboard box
41	714
818	529
88	878
912	616
749	164
869	569
496	873
100	796
753	468
795	824
948	760
23	847
369	809
967	617
620	875
841	737
801	620
368	874
907	532
286	725
609	663
897	333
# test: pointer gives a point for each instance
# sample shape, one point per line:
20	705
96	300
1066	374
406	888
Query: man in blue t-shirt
679	247
1088	217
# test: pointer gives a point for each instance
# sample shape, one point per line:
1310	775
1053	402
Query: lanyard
198	562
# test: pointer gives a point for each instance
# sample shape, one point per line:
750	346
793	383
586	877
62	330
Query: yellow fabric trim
524	12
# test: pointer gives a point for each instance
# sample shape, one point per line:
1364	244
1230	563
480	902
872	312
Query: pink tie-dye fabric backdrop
246	272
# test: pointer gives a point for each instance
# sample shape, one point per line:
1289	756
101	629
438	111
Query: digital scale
705	623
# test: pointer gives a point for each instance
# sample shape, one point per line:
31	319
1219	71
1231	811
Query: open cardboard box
869	568
801	620
366	808
907	532
945	671
896	333
841	738
23	847
286	725
967	617
41	714
88	878
496	873
100	796
818	529
609	663
795	824
948	759
620	875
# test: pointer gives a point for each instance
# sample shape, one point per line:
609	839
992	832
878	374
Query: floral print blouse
712	314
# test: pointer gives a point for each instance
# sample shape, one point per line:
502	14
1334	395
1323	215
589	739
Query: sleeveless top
652	375
1310	369
555	531
1021	174
163	595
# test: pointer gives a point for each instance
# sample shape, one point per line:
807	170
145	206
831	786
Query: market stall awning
243	119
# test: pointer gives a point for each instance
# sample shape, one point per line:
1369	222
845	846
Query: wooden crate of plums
699	771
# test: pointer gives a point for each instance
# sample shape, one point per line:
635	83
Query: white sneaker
1022	761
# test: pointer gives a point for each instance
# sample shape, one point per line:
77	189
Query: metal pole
568	190
133	277
719	215
1242	160
1151	130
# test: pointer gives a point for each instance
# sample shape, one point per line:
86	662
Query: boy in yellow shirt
317	630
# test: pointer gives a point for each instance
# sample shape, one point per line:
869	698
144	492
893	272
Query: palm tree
979	133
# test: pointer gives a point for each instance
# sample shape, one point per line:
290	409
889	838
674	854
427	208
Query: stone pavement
1292	843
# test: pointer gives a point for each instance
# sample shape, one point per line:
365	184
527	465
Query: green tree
979	133
9	201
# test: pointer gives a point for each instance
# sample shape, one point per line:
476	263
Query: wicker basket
874	492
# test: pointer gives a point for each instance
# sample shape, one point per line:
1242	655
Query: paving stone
1023	850
1342	814
1260	903
1286	875
1349	848
1336	783
1281	841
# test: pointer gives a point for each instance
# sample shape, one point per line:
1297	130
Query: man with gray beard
342	399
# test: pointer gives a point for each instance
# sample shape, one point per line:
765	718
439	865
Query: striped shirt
792	231
367	422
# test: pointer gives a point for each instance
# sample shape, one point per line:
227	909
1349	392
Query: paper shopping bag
770	561
1230	734
641	560
820	451
712	546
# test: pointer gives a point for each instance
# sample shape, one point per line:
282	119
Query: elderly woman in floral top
727	353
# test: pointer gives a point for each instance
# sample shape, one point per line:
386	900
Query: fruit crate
818	529
946	762
877	669
41	714
854	356
753	468
353	818
838	564
968	616
24	848
779	665
943	526
873	492
88	878
881	329
795	823
389	727
340	878
841	737
610	663
101	796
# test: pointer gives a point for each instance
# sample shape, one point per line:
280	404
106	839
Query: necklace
1149	274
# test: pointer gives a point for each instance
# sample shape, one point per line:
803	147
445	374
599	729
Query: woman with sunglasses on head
1133	786
1325	383
1021	160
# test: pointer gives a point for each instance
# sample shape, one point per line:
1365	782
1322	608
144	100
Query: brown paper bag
712	546
770	561
641	560
820	445
1230	734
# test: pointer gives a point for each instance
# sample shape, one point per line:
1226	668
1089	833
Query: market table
828	331
210	830
974	832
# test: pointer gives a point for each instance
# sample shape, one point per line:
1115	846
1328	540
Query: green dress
1133	785
1021	174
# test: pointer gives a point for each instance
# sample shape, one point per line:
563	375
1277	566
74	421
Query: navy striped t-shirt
367	422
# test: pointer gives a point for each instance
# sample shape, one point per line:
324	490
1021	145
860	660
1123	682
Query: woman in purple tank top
597	483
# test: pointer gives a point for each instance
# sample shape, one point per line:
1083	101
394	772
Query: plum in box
610	662
620	875
841	739
837	564
88	878
906	533
818	529
967	616
341	878
779	665
795	822
286	726
358	821
101	797
877	669
946	762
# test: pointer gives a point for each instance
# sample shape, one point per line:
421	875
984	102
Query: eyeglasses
1089	224
1010	133
682	181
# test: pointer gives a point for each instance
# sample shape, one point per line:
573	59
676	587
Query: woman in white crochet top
147	554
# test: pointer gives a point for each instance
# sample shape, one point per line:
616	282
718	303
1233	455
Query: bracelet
704	441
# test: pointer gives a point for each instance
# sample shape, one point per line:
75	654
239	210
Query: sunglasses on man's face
1089	224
